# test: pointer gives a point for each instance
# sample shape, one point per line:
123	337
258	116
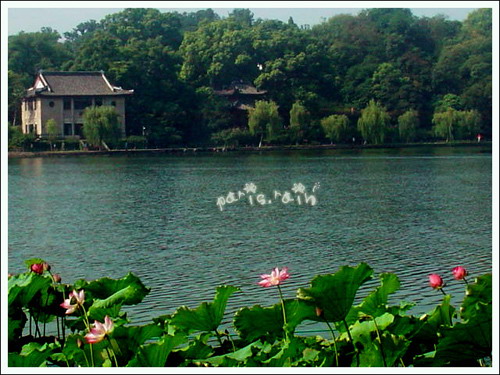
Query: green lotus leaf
236	358
471	340
375	304
128	290
129	338
156	354
384	353
197	349
22	288
259	322
290	352
207	316
15	324
477	294
334	293
32	354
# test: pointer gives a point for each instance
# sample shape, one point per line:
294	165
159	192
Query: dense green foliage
175	61
372	333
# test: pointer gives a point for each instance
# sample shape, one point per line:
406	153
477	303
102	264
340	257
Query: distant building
241	96
63	96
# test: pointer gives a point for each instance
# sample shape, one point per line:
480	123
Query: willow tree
373	123
52	131
264	120
336	127
444	123
408	124
300	120
469	124
101	124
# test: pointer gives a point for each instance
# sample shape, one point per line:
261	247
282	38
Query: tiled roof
240	88
75	83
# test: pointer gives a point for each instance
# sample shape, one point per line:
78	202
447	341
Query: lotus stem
352	341
380	341
334	342
218	337
284	312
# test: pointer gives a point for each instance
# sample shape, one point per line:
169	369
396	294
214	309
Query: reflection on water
408	211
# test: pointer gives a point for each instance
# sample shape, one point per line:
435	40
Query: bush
19	140
233	137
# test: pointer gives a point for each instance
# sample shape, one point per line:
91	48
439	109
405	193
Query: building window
68	129
82	103
51	104
113	103
67	104
98	102
79	129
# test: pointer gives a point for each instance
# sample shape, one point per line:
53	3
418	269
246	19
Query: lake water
410	211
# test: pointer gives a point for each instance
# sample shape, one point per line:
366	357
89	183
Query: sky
30	16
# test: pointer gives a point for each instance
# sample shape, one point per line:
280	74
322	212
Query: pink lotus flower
275	278
436	281
46	266
37	268
459	273
99	331
77	297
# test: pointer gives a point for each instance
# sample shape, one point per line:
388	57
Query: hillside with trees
384	75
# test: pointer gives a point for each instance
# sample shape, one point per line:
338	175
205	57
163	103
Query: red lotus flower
37	268
99	331
77	297
436	281
275	278
459	273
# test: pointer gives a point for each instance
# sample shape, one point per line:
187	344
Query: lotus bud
435	281
459	273
37	268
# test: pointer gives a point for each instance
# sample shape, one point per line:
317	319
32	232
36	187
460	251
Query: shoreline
191	150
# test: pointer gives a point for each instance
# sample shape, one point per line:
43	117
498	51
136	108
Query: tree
52	131
264	120
444	123
336	127
469	124
373	123
408	124
300	120
17	84
100	124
